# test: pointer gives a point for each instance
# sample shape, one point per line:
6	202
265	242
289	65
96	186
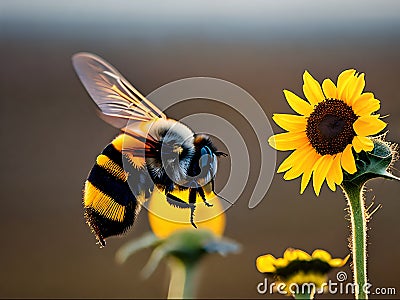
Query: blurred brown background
51	135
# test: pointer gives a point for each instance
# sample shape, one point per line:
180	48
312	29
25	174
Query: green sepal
372	164
128	249
189	246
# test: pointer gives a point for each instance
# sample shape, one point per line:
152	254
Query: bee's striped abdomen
110	206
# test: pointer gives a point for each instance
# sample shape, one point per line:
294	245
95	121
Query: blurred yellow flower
299	267
334	121
165	219
174	238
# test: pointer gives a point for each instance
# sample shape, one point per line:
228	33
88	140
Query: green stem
177	280
189	288
182	282
306	293
303	296
359	235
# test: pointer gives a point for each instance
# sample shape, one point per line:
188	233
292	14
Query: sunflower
333	124
297	267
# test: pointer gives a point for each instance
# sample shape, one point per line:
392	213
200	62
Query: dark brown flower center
314	266
330	126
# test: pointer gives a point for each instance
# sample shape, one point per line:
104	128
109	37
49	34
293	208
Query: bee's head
204	163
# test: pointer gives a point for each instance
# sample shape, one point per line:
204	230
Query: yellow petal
312	89
336	169
293	173
290	254
265	263
368	125
308	169
373	106
361	143
330	176
364	97
297	104
288	140
322	255
366	104
321	168
318	162
357	145
355	89
331	183
291	123
302	160
281	262
291	160
347	160
302	255
343	80
329	89
338	262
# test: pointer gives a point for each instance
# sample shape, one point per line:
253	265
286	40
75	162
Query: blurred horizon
153	19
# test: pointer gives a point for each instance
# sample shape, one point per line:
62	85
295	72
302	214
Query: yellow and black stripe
110	206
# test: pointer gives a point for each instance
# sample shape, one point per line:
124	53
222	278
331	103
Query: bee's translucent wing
115	97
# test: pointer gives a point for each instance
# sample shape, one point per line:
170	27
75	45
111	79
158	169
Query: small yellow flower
334	121
299	267
165	219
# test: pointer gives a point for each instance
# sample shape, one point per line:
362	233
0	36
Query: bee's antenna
219	153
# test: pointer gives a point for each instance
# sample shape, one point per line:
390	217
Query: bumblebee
152	151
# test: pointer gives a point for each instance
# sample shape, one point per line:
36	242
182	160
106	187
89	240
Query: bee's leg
169	187
192	203
192	195
212	188
203	196
192	208
176	202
